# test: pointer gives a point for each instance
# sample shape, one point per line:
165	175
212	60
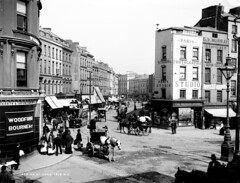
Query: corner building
20	49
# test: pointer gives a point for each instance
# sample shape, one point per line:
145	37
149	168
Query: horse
111	143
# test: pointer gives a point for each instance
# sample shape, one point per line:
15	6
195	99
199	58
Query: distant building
139	87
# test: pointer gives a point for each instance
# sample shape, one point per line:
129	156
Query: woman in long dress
51	149
69	141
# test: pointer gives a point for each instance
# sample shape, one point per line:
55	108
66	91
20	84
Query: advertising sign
19	122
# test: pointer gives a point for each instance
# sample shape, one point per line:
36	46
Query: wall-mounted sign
23	102
215	40
19	122
187	84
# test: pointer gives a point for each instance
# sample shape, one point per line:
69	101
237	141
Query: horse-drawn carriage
136	125
100	145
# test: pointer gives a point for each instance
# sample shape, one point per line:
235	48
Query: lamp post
90	86
236	157
227	146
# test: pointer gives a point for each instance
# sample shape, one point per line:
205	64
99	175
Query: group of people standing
49	144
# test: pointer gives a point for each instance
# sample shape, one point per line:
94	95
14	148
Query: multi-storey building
178	68
20	48
55	63
139	87
123	83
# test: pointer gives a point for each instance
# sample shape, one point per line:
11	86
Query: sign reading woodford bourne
19	122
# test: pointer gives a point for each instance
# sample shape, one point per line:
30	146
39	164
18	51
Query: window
195	94
60	54
45	67
182	52
163	93
21	16
233	88
234	45
182	75
219	96
233	62
219	76
53	68
164	53
208	55
56	53
52	52
195	73
182	94
40	66
234	29
207	96
21	65
214	35
45	50
219	56
207	75
49	51
49	67
164	73
195	53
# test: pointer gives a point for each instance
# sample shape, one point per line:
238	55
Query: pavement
35	160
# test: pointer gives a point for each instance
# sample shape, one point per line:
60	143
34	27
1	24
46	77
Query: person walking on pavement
58	144
5	176
45	129
16	156
173	122
50	147
92	126
69	141
78	140
214	167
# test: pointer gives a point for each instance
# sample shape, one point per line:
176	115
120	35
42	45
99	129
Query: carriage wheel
146	131
137	131
90	149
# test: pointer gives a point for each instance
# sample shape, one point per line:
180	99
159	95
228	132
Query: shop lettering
20	127
187	84
22	119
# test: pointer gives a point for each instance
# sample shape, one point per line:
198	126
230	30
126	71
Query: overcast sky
121	33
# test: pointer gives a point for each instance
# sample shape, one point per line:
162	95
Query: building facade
178	68
20	48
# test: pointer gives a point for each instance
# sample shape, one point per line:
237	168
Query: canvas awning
99	95
93	99
66	102
53	102
222	113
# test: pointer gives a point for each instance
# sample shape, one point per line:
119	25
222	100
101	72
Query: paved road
153	157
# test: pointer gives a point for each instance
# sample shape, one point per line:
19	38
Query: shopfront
19	123
188	112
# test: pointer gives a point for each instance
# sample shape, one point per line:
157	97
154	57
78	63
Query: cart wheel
137	131
90	149
146	131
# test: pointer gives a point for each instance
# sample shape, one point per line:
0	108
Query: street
152	158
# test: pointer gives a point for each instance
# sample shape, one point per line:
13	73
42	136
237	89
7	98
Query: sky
121	33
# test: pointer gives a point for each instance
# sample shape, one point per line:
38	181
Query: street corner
149	177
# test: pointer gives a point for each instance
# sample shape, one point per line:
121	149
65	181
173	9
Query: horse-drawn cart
94	145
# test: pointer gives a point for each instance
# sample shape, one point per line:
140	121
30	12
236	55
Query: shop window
21	59
21	16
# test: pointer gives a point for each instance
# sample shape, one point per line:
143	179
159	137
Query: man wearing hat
106	130
214	167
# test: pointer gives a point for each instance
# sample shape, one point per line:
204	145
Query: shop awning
222	113
66	102
113	99
53	102
93	99
99	94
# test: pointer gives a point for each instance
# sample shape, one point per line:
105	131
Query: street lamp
227	146
236	158
90	86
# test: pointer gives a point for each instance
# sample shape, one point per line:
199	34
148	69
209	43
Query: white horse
111	142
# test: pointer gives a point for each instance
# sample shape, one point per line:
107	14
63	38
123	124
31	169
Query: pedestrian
50	141
64	137
174	126
78	140
5	176
106	130
69	141
214	167
16	156
43	145
92	126
45	129
58	144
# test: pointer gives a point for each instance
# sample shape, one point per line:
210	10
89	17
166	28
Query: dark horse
197	176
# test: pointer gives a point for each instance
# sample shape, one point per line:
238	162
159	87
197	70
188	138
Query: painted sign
19	122
194	84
